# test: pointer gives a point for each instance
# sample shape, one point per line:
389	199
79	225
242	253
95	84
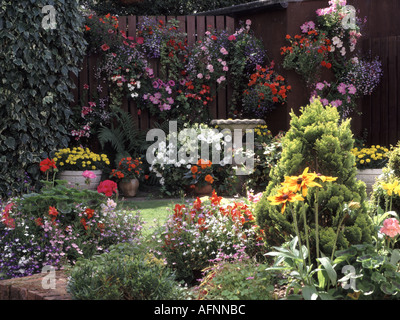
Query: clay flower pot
129	188
203	190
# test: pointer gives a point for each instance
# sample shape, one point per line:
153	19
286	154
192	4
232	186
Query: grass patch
153	212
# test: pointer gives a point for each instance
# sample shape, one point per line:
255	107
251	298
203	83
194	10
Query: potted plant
201	177
128	173
74	166
370	161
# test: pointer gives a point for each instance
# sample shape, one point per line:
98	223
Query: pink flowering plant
59	225
90	114
189	77
391	230
342	96
330	42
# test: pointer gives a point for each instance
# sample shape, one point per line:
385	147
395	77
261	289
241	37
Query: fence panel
381	117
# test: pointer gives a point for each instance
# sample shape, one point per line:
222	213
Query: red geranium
7	221
47	164
107	187
105	47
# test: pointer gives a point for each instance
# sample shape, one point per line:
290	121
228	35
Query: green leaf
10	143
309	293
326	262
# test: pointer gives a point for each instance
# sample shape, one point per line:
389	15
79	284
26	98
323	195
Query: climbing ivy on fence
39	51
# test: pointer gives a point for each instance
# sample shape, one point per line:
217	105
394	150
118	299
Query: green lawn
153	212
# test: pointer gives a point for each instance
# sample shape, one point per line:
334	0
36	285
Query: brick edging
30	288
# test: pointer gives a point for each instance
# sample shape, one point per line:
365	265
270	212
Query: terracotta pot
368	176
204	190
129	188
76	180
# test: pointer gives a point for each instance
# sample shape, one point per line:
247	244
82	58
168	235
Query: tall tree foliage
38	52
157	7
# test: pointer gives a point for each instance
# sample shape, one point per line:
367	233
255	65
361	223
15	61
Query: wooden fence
381	110
195	28
381	35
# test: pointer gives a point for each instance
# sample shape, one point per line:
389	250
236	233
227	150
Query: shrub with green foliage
317	140
35	92
155	7
126	272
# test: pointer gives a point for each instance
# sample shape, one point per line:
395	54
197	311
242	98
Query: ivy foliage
318	140
36	62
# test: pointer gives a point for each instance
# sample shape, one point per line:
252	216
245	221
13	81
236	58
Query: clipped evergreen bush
37	59
126	272
316	139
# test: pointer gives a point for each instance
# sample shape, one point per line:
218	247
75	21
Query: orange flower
215	200
197	204
194	169
209	178
53	212
204	163
302	182
83	222
89	213
284	195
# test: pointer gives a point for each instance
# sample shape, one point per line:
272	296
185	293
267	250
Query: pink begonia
325	102
248	22
342	88
200	76
336	103
89	174
352	89
307	26
391	227
320	86
223	51
225	68
210	68
221	79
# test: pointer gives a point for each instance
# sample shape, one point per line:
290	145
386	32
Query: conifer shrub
317	139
